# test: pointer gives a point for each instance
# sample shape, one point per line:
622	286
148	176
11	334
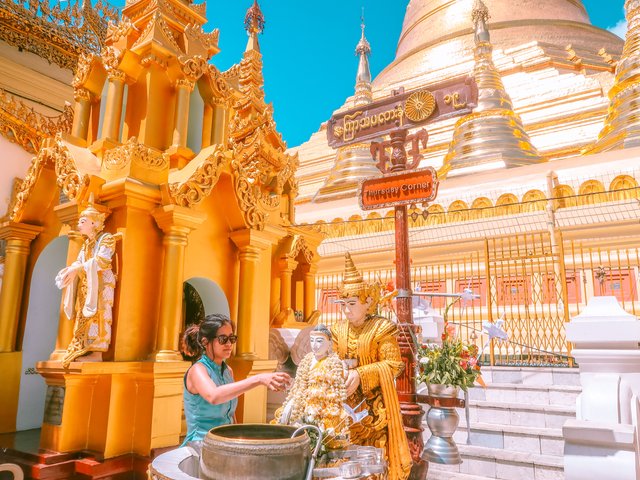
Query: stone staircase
516	426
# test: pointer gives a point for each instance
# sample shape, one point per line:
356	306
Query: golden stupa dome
437	34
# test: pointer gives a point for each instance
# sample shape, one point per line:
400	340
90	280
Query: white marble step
506	465
531	375
526	415
515	438
526	394
437	473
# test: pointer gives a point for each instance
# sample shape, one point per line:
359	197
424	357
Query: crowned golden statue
318	393
89	285
368	346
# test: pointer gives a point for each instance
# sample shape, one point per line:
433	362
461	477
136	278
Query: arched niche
591	192
624	187
41	329
507	204
481	208
202	297
436	214
458	211
533	201
564	196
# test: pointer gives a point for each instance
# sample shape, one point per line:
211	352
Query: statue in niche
88	285
368	346
318	393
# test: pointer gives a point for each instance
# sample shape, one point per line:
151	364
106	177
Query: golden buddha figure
318	392
89	285
368	346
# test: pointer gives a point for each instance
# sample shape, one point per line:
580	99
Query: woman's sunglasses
223	339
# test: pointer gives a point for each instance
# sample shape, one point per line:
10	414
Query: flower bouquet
454	363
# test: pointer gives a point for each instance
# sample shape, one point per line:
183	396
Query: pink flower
464	364
451	330
473	361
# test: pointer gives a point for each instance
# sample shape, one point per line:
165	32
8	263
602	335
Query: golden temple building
537	210
187	165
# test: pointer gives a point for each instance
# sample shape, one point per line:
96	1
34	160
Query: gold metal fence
533	282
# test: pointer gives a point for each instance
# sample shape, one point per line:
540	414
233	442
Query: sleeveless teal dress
201	415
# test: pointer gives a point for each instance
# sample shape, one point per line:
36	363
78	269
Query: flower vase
442	421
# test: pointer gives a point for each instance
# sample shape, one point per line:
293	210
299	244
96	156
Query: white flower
424	360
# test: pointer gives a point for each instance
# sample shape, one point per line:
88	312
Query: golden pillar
181	119
207	125
113	107
176	222
287	266
309	282
219	130
82	112
18	237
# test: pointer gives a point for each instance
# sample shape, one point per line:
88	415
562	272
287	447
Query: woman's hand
275	382
353	381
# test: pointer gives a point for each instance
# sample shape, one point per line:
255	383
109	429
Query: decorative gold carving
209	41
193	67
116	31
59	34
420	105
81	94
111	57
299	245
70	181
85	62
453	99
201	182
185	83
134	152
21	124
247	195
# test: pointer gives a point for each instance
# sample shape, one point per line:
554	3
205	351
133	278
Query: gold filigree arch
436	214
533	201
481	207
507	204
458	211
564	196
199	184
624	187
591	192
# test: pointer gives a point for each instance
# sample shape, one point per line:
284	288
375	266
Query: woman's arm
199	382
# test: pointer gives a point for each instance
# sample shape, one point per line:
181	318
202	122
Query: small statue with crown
89	285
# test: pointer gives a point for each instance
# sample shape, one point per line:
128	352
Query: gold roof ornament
492	136
622	125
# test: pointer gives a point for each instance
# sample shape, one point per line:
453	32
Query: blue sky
308	49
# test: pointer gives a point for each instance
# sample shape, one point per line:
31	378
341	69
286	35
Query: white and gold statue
88	285
319	392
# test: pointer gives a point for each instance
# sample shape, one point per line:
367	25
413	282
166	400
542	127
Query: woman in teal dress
210	393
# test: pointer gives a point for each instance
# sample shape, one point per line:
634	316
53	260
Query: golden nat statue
367	344
88	285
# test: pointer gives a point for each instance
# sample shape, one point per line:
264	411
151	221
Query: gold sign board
395	189
405	109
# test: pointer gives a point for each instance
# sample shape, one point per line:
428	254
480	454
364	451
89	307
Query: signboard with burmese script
395	189
405	109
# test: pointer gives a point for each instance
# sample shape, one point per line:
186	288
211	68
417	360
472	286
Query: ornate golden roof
437	32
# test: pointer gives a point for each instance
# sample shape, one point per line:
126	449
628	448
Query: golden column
252	245
207	125
181	119
176	222
68	215
82	111
18	237
309	282
287	266
113	107
219	127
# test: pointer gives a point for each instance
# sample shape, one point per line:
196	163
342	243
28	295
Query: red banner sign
403	188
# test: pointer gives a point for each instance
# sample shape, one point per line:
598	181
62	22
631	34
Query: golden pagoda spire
254	25
363	77
621	127
493	136
352	162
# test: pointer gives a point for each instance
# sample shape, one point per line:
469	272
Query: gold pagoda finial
622	126
254	19
492	136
